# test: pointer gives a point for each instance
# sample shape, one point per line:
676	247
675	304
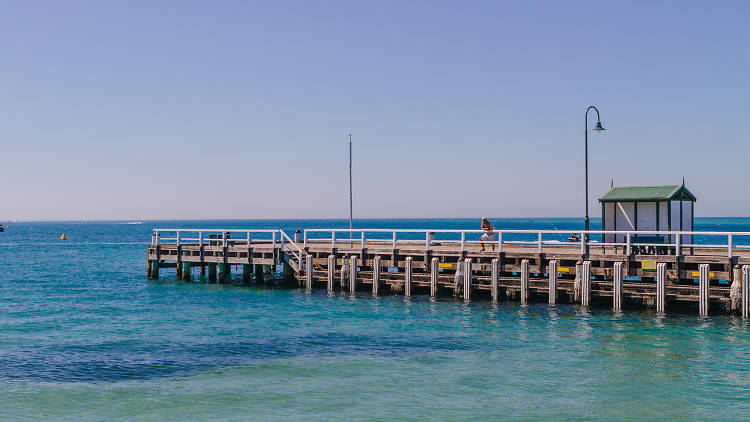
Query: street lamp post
597	128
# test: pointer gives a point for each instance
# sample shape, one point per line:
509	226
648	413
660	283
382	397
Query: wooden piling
617	287
495	278
247	273
467	279
376	265
212	272
353	274
745	288
331	272
734	289
552	273
259	273
434	275
154	269
524	280
185	273
407	276
661	287
225	272
586	283
308	272
703	284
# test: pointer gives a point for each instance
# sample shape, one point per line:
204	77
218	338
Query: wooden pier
701	278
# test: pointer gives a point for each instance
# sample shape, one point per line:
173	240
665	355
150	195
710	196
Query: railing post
627	242
304	244
249	238
158	238
273	239
427	241
583	243
177	237
539	243
499	242
394	240
463	241
729	246
363	240
677	250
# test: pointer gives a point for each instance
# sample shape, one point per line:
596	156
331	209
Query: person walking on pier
489	233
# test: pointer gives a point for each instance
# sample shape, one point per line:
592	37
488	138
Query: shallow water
84	336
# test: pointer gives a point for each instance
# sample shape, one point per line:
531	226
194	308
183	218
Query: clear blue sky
239	109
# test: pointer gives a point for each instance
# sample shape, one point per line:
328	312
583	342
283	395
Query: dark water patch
130	360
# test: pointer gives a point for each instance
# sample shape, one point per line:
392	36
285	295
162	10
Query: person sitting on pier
489	233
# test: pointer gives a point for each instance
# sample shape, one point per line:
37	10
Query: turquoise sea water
84	336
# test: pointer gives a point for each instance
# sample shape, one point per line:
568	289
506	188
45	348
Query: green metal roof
646	193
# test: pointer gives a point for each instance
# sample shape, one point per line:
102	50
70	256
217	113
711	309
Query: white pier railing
715	243
730	242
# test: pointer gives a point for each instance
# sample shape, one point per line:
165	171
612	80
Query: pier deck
712	277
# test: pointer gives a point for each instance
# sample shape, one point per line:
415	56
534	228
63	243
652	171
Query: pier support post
259	276
458	278
247	273
376	265
308	272
434	274
524	280
661	287
586	283
344	279
212	272
185	271
495	279
552	272
407	276
467	279
353	274
703	283
734	290
331	272
745	291
225	273
154	269
617	287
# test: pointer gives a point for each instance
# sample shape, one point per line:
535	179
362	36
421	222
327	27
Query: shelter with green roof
648	208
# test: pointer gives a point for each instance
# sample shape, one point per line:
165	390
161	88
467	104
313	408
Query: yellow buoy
63	237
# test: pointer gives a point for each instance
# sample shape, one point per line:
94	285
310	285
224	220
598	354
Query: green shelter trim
647	194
